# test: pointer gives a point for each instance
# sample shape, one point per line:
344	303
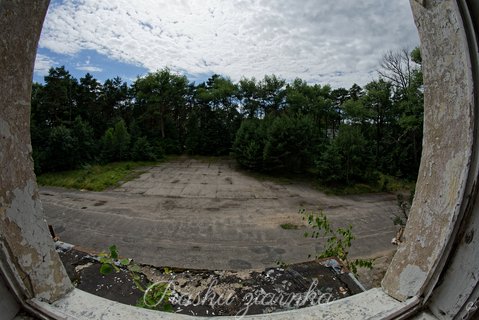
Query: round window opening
19	190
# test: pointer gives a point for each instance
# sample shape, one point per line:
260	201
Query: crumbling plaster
447	150
24	238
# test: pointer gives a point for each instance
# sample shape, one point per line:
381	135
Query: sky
338	42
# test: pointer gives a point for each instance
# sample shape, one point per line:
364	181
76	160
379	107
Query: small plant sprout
155	295
338	241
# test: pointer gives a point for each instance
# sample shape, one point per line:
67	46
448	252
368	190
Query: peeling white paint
428	219
36	247
447	151
410	279
26	260
422	240
23	211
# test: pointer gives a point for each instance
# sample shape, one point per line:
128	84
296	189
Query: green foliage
271	94
249	98
281	264
347	159
214	118
55	102
289	226
155	296
85	147
64	148
355	111
338	241
143	151
95	177
108	149
61	149
160	96
385	183
116	143
416	55
121	140
345	136
329	164
249	143
109	261
209	133
273	144
289	143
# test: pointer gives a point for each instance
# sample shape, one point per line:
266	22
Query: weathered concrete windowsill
372	304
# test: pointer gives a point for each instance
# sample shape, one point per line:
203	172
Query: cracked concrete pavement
205	214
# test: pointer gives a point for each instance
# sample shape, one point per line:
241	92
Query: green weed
94	177
289	226
338	241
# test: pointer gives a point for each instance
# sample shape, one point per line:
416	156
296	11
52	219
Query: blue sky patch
89	61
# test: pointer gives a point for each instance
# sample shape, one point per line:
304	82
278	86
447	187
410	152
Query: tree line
339	135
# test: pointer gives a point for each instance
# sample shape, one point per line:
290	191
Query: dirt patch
198	292
168	204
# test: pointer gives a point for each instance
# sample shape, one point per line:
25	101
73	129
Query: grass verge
94	177
385	183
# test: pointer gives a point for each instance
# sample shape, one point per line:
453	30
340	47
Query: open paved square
206	214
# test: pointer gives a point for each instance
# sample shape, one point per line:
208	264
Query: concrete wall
446	174
25	246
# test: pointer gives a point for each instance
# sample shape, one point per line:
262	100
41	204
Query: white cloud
43	63
312	39
89	68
